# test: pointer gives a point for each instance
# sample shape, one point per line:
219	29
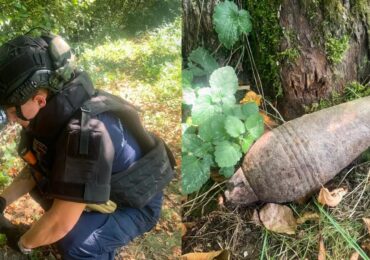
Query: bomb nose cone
238	190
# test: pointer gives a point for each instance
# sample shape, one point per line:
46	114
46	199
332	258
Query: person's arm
54	224
22	184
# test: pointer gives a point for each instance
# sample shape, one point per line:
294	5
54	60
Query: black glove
13	233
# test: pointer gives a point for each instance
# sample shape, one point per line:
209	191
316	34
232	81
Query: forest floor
213	225
146	71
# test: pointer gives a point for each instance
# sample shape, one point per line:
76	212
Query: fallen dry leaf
278	218
251	96
367	223
214	255
221	202
269	122
183	229
354	256
308	216
322	250
188	226
331	198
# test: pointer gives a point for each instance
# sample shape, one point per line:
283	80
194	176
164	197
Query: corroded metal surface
296	158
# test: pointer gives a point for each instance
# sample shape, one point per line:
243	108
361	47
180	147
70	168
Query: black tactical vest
75	153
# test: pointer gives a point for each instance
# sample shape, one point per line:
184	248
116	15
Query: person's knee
72	248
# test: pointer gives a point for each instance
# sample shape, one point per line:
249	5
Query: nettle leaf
195	70
192	144
205	92
249	109
230	23
188	129
254	125
234	126
223	97
188	95
245	23
236	111
201	62
203	109
224	80
228	109
227	171
213	129
227	154
195	172
186	78
246	143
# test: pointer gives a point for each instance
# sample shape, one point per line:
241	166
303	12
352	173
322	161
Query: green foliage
85	20
347	237
352	91
230	23
290	54
356	90
201	62
219	130
335	48
151	58
2	239
265	42
9	161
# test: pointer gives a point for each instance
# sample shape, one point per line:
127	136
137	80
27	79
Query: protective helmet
29	63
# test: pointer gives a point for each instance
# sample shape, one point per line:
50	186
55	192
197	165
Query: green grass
146	59
341	228
344	229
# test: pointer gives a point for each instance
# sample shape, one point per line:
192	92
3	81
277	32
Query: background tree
305	51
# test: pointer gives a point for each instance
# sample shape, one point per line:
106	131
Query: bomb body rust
295	159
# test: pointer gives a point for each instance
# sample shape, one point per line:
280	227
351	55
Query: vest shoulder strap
126	112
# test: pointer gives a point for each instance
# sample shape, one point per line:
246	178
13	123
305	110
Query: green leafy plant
230	23
335	48
201	62
218	131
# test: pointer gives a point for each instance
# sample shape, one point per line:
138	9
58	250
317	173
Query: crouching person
91	165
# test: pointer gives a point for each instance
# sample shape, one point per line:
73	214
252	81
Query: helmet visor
3	119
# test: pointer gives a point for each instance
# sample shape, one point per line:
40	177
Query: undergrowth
233	228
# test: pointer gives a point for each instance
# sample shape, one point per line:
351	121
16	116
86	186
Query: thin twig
276	111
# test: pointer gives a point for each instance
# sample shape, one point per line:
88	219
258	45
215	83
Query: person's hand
13	233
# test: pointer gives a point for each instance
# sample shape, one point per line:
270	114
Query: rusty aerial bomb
295	159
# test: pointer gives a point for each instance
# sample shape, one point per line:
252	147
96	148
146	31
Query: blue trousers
97	235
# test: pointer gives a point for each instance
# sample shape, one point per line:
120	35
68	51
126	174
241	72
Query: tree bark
312	77
197	25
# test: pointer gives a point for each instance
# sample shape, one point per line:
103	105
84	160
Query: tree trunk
197	25
313	76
